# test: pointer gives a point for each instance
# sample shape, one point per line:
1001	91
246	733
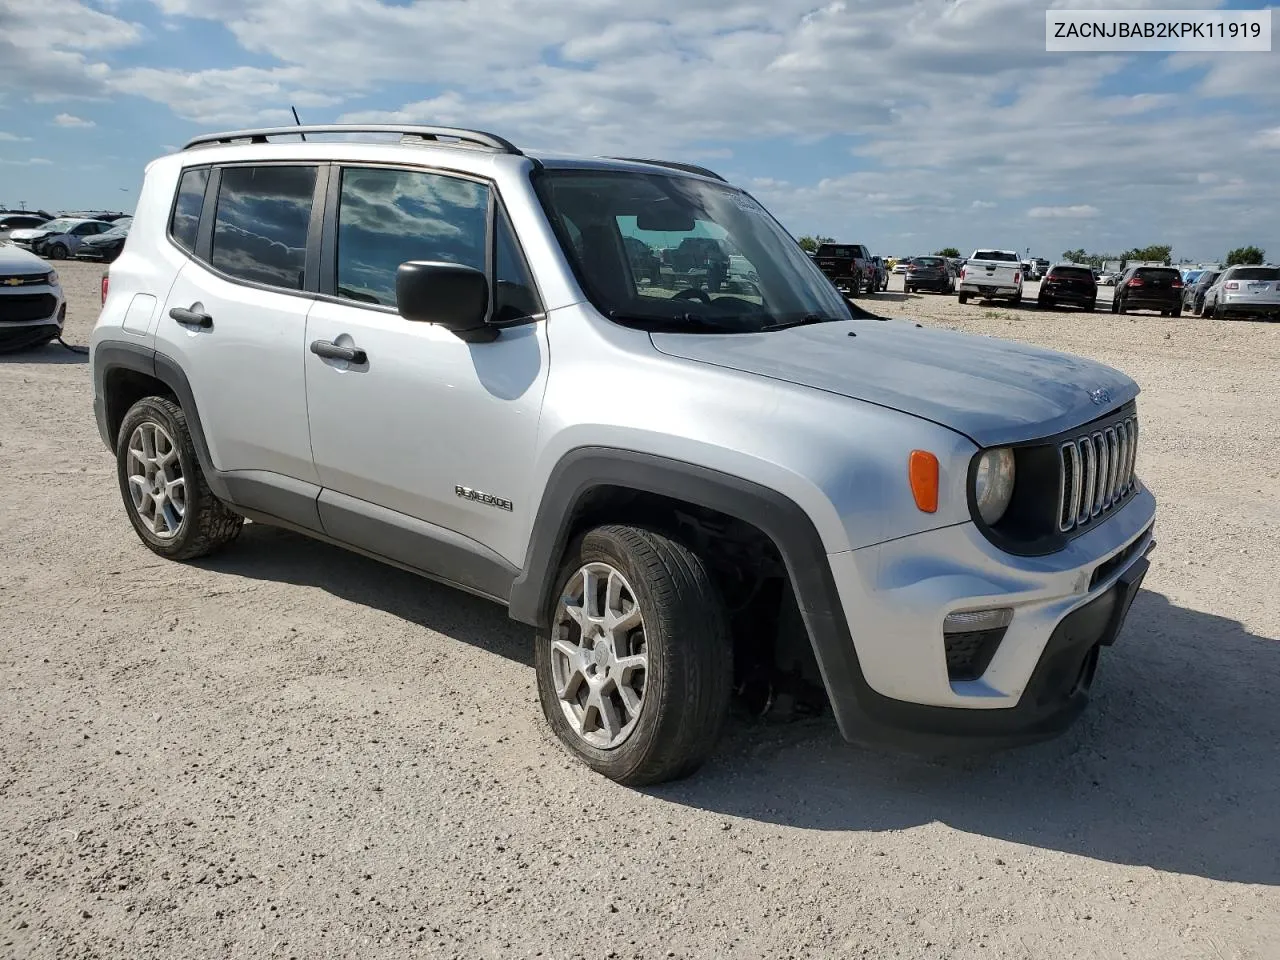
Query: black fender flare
586	468
112	355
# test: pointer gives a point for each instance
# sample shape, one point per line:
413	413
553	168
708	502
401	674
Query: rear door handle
331	351
195	317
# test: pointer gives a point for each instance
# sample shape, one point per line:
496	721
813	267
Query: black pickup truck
849	265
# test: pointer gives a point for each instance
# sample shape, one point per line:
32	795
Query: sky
907	125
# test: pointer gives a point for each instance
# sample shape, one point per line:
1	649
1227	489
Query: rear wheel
635	669
165	492
1218	312
1016	298
964	298
1177	311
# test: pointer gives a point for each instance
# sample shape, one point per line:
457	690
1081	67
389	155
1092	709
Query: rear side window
186	209
388	217
260	228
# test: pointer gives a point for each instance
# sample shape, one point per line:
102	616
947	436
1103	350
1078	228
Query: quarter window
389	217
515	297
260	229
186	211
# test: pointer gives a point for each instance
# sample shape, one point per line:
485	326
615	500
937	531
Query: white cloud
1081	211
29	162
12	138
67	120
983	205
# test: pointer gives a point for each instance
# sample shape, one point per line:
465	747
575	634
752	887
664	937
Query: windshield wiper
682	321
807	319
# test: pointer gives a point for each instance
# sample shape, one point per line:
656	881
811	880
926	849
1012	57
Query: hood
992	391
28	233
14	261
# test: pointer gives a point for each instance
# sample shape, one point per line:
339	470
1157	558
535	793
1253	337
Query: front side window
681	254
260	228
186	209
389	217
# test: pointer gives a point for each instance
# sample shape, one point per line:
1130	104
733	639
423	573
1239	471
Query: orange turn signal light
922	468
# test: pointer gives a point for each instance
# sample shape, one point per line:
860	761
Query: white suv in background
435	349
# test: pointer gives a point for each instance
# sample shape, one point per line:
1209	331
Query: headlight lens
52	278
993	484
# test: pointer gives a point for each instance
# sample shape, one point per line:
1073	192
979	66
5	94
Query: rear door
235	320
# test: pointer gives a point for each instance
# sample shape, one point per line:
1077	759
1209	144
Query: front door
421	431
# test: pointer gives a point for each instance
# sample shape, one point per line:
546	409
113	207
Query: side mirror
452	295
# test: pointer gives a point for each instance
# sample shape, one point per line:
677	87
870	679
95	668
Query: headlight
52	279
993	484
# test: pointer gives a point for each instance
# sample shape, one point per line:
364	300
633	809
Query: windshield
59	226
1257	273
685	255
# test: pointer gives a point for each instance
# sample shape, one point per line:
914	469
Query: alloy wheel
599	658
156	484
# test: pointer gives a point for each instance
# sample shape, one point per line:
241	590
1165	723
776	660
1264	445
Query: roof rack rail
439	134
686	167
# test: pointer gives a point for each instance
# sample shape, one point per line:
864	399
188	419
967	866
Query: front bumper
896	596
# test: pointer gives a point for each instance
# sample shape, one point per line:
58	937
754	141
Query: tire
688	672
1044	302
206	524
1177	311
1120	307
964	298
1091	307
1218	313
1016	298
58	252
907	290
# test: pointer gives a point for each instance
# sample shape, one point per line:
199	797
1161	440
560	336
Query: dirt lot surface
289	751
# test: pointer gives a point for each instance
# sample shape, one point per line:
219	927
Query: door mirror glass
453	295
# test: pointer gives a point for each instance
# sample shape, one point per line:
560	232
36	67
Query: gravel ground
290	751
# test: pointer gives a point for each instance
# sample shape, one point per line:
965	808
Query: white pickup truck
991	275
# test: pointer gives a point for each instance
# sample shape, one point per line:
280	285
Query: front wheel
635	667
165	492
58	252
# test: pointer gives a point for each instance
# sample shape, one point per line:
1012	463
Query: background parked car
60	246
19	221
1245	292
1193	293
58	238
109	245
1149	288
882	274
1069	283
930	273
644	262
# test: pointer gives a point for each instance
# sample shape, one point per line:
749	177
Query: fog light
971	621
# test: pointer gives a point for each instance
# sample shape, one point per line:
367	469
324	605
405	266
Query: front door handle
195	317
331	351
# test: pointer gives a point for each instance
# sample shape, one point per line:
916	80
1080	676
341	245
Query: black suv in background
930	273
1069	283
1149	288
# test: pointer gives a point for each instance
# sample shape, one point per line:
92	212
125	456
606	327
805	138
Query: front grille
26	306
1096	473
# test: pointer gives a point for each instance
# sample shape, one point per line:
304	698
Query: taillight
1177	283
1135	282
963	271
1231	285
1017	275
106	281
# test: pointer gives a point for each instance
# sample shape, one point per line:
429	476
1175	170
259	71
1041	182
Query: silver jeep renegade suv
617	397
